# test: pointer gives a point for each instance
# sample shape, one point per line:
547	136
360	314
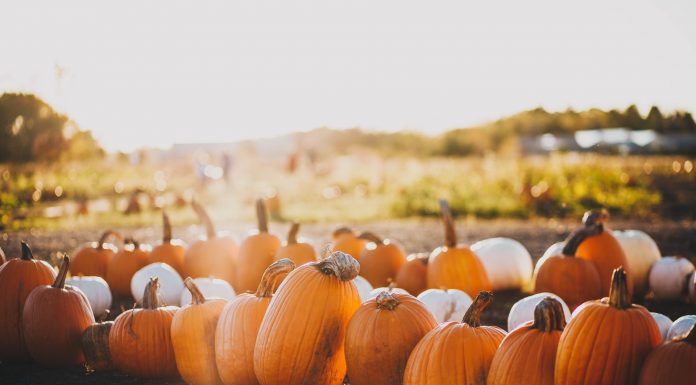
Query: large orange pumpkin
18	277
606	341
140	341
256	253
381	336
671	363
380	260
456	353
93	258
528	354
455	267
124	264
54	318
413	275
193	337
239	325
170	251
345	240
301	339
298	252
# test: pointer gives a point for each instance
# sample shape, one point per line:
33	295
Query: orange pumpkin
456	353
54	318
140	340
170	251
298	252
528	354
301	339
93	259
193	337
345	240
95	345
573	279
456	267
381	336
607	340
213	256
671	363
413	275
18	277
256	253
124	264
239	325
380	260
603	249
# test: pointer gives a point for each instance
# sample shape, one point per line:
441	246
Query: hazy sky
159	72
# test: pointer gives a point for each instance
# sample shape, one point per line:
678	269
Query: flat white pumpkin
96	290
446	305
668	278
507	262
364	288
523	310
681	326
641	252
211	288
171	284
663	322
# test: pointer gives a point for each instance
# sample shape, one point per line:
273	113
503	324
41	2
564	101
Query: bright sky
153	73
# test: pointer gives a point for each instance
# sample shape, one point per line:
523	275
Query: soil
673	238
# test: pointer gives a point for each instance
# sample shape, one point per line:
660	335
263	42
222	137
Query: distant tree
654	121
632	118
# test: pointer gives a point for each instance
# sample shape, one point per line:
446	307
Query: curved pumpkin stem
262	215
204	218
166	228
595	217
197	297
151	296
106	235
27	255
578	236
371	237
292	234
273	276
473	314
59	283
450	234
340	231
386	301
131	242
618	291
548	315
340	264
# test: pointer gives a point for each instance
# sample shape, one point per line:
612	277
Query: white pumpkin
663	322
553	250
364	288
507	262
681	326
668	277
446	305
375	292
523	310
641	252
96	290
211	288
171	284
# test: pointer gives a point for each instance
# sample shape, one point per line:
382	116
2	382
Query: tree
654	121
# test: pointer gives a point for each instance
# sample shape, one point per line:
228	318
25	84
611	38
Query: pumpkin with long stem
301	339
455	266
18	277
380	260
256	252
54	317
93	259
239	324
347	241
381	336
413	275
124	265
456	353
671	363
528	354
298	252
170	251
95	345
606	341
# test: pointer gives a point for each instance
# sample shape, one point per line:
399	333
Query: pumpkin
671	363
193	337
663	323
680	327
316	299
446	305
669	276
256	252
455	267
2	257
238	326
381	336
576	280
603	250
691	282
214	255
380	260
552	251
364	288
170	283
507	262
523	310
298	252
210	288
97	292
18	277
641	252
170	251
140	338
413	275
54	317
607	340
345	240
93	259
456	353
124	265
391	288
95	345
528	354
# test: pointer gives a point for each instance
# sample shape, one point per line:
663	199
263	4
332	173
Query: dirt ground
673	238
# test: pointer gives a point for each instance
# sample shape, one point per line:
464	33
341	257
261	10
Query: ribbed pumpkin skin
350	244
91	260
301	339
606	253
380	264
526	356
214	257
121	269
379	341
256	253
95	346
170	253
457	268
575	280
671	363
413	275
299	253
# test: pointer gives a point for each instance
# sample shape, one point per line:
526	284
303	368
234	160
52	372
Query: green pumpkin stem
548	315
448	221
151	296
292	233
273	277
385	300
204	218
106	235
262	215
371	237
166	228
473	314
27	255
59	283
197	297
339	264
618	291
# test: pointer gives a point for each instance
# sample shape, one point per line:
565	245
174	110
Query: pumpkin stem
105	235
151	296
340	231
27	255
340	264
59	283
386	301
473	315
618	292
273	277
292	234
205	218
197	297
262	215
548	315
595	217
131	243
371	237
166	228
450	234
105	316
578	236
